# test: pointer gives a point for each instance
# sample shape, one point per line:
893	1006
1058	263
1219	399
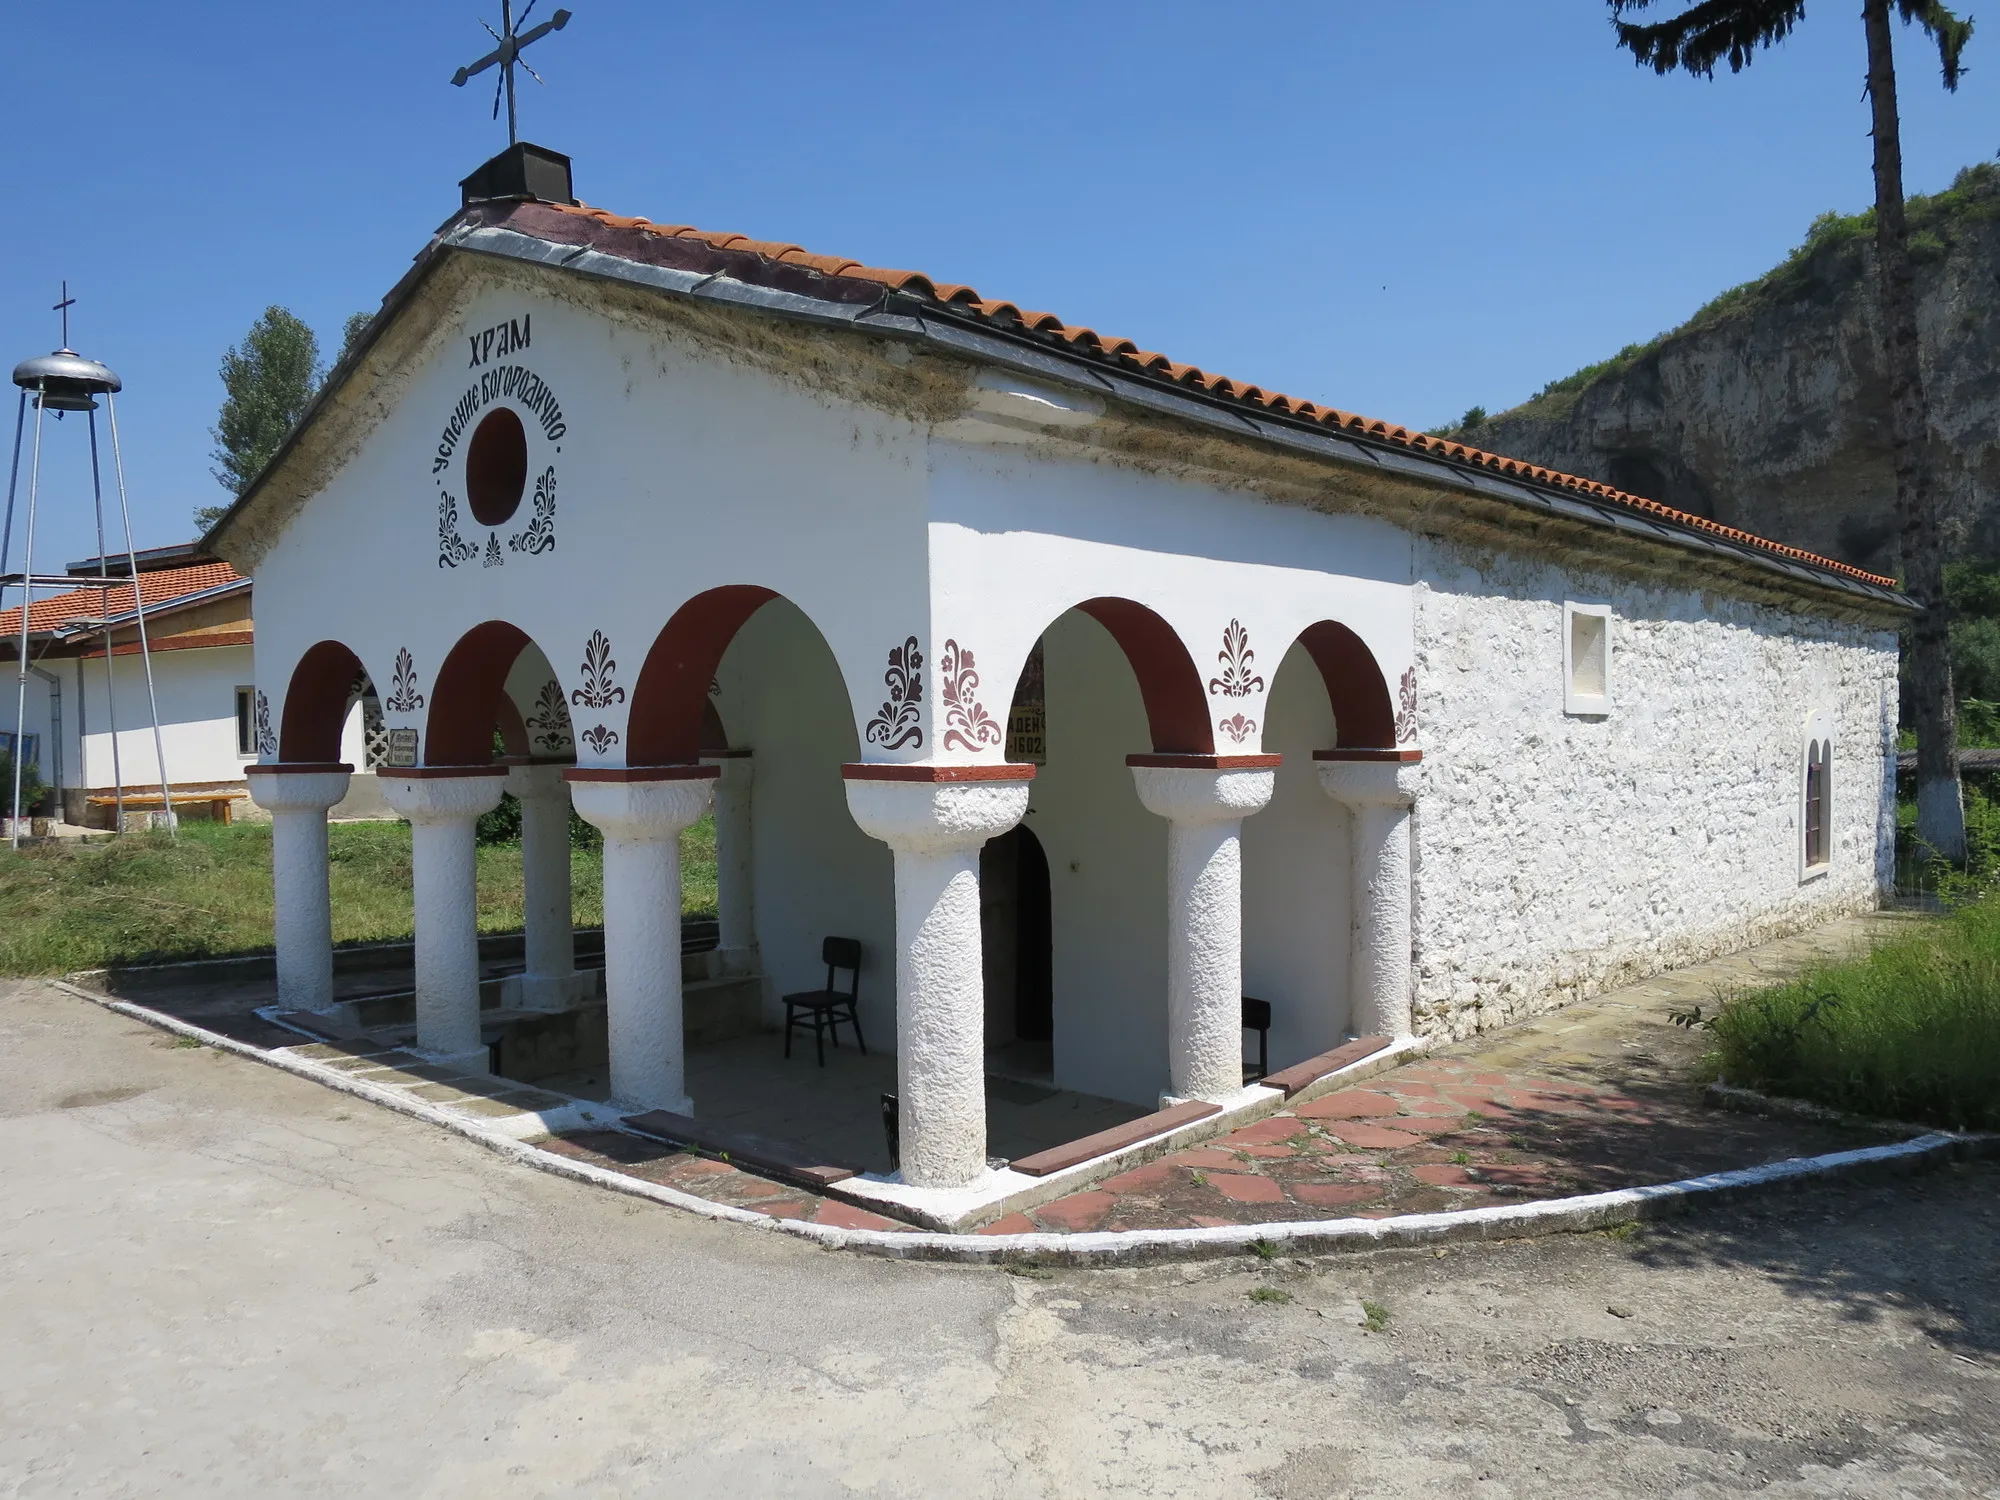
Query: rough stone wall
1557	856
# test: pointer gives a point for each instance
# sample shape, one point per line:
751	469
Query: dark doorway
1018	936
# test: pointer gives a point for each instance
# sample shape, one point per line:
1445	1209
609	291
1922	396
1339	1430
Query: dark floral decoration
899	722
403	696
1406	708
599	738
1237	727
968	723
540	533
550	722
598	690
453	549
267	741
1237	659
494	557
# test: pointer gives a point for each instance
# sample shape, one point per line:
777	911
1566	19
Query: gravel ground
222	1280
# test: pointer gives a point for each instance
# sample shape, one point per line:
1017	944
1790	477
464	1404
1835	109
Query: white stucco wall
1558	855
197	696
677	470
1018	538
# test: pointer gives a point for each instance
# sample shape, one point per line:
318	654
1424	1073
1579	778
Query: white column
936	829
735	895
549	980
642	813
1204	807
297	798
443	803
1379	794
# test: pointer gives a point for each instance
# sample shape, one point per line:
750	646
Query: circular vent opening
496	467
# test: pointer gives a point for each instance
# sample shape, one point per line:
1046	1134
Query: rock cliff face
1768	410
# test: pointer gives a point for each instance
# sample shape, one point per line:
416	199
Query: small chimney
521	171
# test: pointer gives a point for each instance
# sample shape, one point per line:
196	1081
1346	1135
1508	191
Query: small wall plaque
1027	718
402	753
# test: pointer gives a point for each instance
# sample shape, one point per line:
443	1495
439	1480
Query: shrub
1910	1032
32	789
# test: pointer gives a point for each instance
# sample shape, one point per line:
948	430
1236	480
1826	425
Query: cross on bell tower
507	57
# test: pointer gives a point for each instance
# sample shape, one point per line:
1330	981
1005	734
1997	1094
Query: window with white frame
246	721
1586	658
1816	796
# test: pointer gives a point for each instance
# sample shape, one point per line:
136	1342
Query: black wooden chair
824	1010
1257	1018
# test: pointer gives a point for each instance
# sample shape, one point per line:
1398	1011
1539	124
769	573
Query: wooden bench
221	805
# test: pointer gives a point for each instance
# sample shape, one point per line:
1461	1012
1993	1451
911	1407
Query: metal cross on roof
508	56
63	307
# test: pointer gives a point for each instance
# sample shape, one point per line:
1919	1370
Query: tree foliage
268	381
1735	31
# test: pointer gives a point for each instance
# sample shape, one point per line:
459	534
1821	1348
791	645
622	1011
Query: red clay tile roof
965	300
160	587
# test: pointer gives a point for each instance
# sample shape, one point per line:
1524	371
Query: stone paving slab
717	1181
1602	1094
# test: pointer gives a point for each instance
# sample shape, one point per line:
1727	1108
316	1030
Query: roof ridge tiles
967	300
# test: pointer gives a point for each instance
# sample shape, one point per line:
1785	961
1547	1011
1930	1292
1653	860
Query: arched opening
317	700
1015	919
1114	678
1298	852
1169	684
1364	714
672	691
470	700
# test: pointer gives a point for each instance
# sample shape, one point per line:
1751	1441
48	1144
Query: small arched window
1816	797
1816	757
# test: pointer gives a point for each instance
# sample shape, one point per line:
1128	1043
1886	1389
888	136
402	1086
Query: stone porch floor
1601	1094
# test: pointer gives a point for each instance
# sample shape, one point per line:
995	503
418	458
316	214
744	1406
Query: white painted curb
1142	1246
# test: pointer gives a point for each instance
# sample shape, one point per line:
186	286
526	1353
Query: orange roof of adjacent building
161	586
1087	341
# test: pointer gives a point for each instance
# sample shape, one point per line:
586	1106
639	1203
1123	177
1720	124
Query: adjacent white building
1392	733
88	721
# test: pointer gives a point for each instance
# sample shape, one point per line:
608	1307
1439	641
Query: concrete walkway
223	1280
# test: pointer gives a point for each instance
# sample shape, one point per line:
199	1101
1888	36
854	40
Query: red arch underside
316	703
1363	712
668	700
1176	707
467	704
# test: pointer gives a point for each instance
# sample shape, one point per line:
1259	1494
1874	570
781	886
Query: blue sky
1401	209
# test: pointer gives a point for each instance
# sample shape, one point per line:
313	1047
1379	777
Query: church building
1088	691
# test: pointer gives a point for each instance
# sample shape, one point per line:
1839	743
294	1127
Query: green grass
1909	1032
1374	1316
142	897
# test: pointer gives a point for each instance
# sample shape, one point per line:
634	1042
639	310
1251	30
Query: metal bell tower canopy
65	382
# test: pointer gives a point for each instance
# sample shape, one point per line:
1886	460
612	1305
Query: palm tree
1734	30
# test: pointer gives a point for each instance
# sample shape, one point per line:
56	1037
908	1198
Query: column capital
536	778
926	816
1180	792
1368	783
642	802
443	794
297	786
